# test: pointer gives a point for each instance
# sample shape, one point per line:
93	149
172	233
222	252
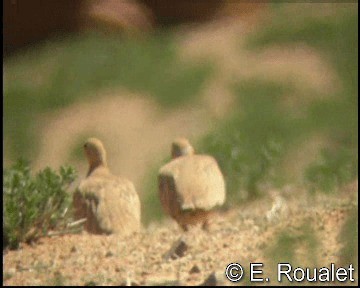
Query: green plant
333	33
333	169
34	204
152	210
348	236
251	143
297	245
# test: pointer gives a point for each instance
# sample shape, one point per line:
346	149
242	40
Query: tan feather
109	203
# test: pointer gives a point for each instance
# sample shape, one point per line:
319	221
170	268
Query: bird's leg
185	227
206	225
208	222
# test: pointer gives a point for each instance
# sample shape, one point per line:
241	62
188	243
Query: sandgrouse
109	203
190	186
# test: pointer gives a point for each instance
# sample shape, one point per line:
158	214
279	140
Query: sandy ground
243	235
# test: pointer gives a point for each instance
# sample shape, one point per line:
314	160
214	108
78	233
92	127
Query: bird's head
95	153
181	147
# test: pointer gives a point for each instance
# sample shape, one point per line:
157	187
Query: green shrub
333	169
34	204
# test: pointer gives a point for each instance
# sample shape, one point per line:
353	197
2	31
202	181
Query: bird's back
191	182
111	203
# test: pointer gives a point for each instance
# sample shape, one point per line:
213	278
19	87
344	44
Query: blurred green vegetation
57	280
296	245
77	150
288	241
349	238
332	169
58	73
251	144
334	33
151	207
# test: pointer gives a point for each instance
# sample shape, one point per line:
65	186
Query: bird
109	203
191	186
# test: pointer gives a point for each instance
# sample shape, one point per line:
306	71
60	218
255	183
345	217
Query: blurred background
270	90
